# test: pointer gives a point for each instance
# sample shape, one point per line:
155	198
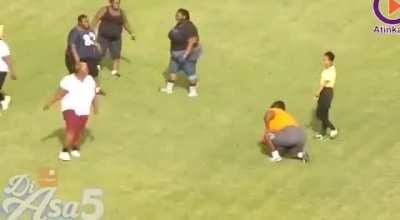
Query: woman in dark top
112	21
185	51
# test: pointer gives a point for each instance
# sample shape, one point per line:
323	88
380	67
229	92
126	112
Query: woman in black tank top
111	24
111	20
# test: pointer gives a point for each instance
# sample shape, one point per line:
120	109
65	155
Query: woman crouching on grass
283	134
77	93
185	52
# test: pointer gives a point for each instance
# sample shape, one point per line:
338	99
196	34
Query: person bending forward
283	134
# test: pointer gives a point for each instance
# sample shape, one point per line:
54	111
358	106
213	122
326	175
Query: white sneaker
168	88
64	156
193	92
334	133
75	153
5	104
115	73
276	159
319	137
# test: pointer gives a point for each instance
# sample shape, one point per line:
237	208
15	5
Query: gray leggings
291	140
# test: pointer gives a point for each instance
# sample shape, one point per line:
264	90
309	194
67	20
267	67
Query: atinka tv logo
387	11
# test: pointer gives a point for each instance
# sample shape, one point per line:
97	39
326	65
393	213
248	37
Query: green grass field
161	157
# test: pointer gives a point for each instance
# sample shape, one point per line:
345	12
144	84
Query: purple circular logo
379	14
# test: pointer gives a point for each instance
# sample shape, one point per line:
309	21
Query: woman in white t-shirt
6	66
77	94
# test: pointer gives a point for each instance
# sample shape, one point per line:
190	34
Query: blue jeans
188	66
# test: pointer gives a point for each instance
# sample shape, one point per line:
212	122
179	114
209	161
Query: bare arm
268	117
97	17
57	97
321	87
10	65
127	25
75	53
191	42
95	105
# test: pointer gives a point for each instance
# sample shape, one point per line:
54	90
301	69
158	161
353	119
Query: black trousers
324	105
91	62
2	80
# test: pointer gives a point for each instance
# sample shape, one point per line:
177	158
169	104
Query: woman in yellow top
284	134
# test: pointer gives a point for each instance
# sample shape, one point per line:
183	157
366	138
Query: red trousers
75	124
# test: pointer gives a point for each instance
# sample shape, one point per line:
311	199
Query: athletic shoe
320	137
5	103
64	156
276	159
166	90
75	153
115	73
193	92
333	134
306	158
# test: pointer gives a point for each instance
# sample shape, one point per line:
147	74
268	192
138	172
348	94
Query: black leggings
324	104
2	80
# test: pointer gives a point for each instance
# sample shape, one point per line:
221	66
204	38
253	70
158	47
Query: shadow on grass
314	124
60	135
107	62
264	149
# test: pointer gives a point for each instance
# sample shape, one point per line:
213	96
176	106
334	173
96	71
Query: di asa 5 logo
387	11
24	198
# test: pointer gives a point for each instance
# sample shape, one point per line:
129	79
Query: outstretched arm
57	97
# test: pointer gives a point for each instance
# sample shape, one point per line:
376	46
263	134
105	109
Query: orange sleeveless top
281	120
